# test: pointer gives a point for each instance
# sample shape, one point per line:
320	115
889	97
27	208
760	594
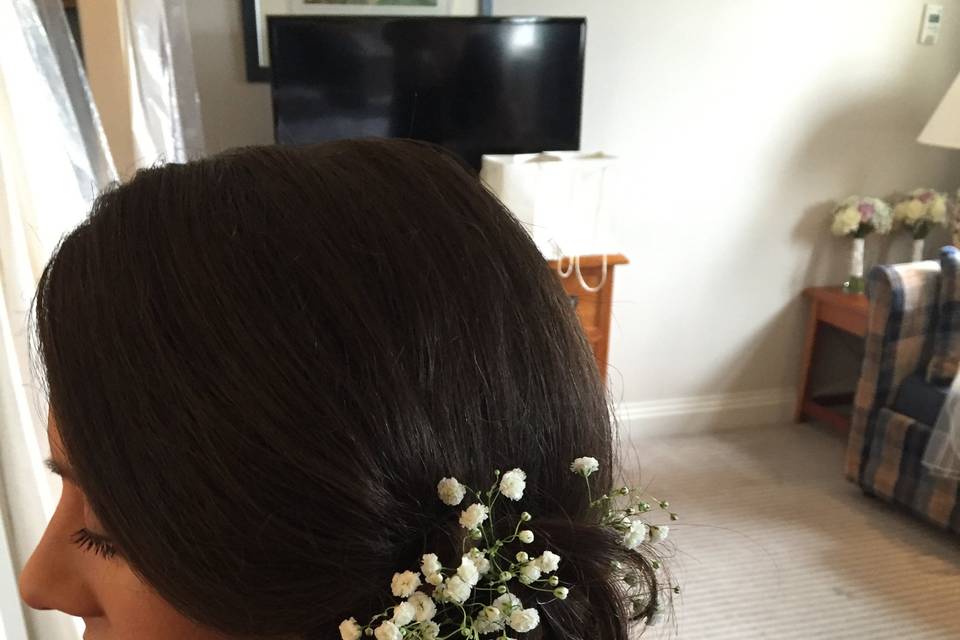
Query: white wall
743	120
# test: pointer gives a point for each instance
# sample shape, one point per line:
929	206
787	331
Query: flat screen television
475	85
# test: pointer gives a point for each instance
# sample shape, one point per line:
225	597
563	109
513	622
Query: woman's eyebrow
55	467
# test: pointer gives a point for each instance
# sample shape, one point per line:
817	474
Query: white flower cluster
859	215
920	210
475	597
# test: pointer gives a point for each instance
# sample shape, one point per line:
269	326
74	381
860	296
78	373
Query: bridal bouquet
856	217
918	212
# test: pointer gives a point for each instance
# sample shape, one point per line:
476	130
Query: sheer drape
53	161
942	455
164	103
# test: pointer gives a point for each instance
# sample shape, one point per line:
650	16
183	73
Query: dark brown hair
262	362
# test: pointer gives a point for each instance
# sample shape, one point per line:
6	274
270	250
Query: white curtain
53	162
164	103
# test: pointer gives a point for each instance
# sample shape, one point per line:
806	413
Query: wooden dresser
593	307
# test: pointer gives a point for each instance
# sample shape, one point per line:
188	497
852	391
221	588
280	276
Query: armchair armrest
903	301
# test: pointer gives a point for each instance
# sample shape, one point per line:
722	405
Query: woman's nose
52	578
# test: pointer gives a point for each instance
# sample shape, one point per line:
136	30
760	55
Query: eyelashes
89	541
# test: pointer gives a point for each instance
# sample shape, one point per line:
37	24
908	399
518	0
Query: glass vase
854	284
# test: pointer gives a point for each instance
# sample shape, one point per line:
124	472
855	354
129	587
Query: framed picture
255	13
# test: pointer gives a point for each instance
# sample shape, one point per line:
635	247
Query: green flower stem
533	588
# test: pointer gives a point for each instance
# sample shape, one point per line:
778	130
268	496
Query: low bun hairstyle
262	362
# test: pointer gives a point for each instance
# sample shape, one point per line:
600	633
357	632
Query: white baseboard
703	414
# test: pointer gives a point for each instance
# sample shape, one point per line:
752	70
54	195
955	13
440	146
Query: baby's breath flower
659	533
388	631
483	566
513	483
424	606
456	589
507	603
585	466
523	620
468	571
458	600
489	620
350	630
430	630
548	561
403	584
529	573
473	516
636	535
451	492
480	560
431	564
403	614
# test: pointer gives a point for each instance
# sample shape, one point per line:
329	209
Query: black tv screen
474	85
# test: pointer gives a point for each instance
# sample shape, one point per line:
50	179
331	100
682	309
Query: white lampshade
943	128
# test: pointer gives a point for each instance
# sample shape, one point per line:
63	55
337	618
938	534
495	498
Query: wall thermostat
930	29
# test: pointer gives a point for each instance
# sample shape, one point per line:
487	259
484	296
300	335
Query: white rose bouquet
856	217
920	210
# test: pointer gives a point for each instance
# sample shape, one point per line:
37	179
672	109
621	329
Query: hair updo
262	362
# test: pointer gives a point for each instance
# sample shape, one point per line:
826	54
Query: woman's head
259	365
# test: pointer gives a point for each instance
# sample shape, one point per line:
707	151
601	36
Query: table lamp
943	128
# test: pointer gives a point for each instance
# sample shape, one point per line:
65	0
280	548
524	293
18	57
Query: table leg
803	393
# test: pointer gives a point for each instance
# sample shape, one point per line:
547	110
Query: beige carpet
773	542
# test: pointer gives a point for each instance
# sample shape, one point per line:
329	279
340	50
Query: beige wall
743	120
234	111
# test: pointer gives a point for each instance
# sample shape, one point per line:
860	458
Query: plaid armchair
912	351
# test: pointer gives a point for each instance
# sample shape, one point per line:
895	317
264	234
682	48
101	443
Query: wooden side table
593	307
847	312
